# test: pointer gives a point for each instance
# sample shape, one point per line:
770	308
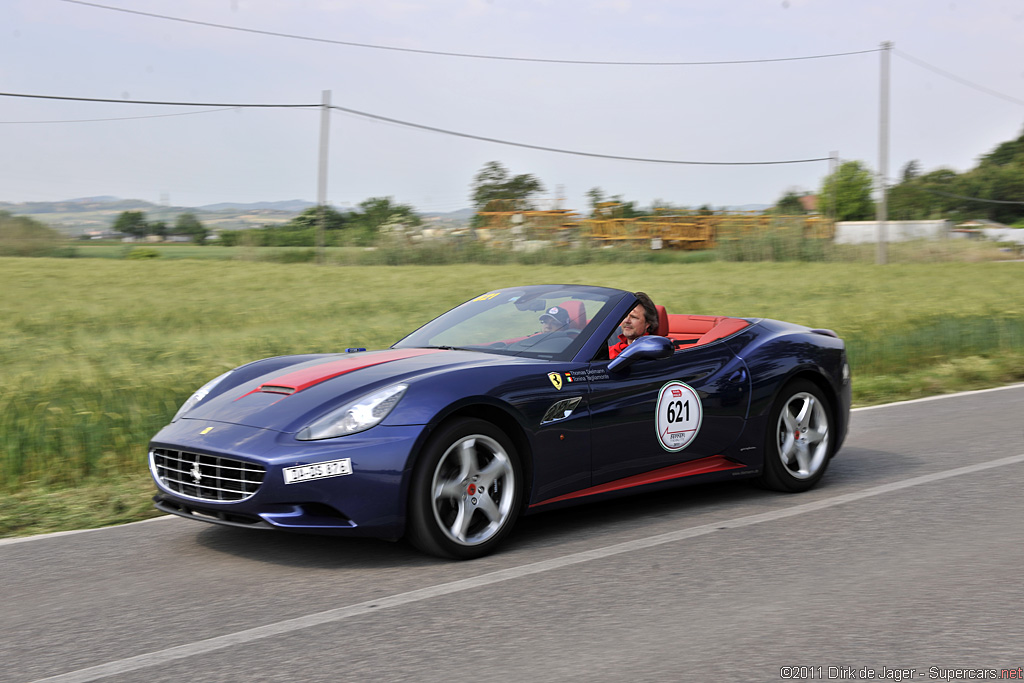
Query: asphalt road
908	556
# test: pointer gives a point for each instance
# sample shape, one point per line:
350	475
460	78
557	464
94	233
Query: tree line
360	227
136	224
993	190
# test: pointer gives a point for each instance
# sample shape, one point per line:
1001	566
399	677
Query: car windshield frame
506	322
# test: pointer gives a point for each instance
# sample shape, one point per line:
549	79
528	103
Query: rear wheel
466	491
799	440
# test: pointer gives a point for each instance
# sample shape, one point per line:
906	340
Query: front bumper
368	502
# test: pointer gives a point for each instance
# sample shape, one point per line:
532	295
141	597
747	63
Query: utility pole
833	167
321	182
882	208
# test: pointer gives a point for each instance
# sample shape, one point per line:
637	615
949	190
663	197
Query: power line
442	53
160	103
973	199
123	118
958	79
420	126
573	152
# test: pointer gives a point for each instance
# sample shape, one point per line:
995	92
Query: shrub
140	253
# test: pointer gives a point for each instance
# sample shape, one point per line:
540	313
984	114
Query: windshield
539	321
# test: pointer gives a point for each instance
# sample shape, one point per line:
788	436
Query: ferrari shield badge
556	379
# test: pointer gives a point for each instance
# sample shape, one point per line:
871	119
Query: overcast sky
764	111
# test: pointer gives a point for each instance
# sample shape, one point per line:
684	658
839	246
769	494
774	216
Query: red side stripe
714	463
296	381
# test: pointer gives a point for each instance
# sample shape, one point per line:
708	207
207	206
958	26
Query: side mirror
644	348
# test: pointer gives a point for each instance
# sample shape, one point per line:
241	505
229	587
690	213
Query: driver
554	319
642	320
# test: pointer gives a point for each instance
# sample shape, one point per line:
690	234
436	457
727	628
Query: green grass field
97	354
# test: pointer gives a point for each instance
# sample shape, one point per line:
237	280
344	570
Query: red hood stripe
296	381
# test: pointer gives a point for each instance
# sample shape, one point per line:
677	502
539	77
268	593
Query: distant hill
748	207
295	205
76	217
84	204
460	216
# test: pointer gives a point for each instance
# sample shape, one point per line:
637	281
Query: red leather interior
702	329
724	328
686	330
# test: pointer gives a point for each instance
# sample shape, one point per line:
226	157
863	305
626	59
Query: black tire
466	491
798	440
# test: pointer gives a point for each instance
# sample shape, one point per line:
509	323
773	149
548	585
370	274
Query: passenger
554	319
642	320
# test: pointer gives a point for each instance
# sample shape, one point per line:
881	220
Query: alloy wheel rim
802	435
472	490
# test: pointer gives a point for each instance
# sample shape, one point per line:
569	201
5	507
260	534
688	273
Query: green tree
1010	152
612	207
909	201
789	205
132	223
377	211
628	209
158	228
310	218
596	196
999	179
24	236
494	184
188	224
991	186
911	170
931	195
846	194
994	189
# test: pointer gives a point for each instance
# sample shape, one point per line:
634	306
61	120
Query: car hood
287	398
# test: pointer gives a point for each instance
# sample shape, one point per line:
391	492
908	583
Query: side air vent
561	409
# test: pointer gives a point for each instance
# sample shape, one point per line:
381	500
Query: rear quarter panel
777	352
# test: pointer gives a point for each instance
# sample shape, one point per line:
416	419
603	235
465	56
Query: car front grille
205	477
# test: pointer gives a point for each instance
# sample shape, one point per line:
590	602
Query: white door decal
679	416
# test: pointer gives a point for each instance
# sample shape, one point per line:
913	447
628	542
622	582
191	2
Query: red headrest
577	314
662	321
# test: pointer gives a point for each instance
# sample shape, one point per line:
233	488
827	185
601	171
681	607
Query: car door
657	413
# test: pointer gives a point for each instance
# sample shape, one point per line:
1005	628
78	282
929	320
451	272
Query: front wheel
799	440
466	491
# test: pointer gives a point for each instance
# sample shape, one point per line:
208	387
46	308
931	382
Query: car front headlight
357	416
199	395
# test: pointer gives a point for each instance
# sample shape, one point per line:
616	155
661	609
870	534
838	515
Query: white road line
939	397
55	534
335	615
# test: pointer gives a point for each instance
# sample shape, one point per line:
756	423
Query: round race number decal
679	416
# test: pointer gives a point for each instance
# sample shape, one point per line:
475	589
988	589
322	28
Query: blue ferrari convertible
506	405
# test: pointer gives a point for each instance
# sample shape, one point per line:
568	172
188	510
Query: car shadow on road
593	524
310	551
686	506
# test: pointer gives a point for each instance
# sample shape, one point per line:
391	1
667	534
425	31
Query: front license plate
321	470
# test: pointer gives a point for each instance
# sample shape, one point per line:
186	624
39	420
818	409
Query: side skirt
714	463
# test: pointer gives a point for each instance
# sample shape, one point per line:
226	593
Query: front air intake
205	477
